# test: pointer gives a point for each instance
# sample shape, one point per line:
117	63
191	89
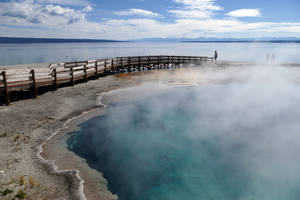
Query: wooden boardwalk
69	73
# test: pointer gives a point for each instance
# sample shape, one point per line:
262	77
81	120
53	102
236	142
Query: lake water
61	52
221	141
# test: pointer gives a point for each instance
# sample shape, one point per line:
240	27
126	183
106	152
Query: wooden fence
70	72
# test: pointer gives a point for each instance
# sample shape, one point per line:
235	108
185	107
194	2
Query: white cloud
27	18
87	9
57	10
146	28
195	8
199	4
245	13
24	10
137	12
29	12
193	28
72	15
66	2
190	13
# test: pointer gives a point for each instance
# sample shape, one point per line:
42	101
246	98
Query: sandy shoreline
26	125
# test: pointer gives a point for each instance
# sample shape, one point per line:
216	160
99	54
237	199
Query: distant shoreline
17	40
246	41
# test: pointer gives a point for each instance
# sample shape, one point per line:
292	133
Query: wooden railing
71	72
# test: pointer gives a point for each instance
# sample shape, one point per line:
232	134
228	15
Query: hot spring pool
235	141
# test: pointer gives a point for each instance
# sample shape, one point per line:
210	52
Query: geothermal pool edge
84	177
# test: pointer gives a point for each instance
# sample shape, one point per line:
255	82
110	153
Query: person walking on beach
216	55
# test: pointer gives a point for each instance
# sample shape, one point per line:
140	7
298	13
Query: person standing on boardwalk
216	55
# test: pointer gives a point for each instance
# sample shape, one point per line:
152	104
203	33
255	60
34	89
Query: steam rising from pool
234	138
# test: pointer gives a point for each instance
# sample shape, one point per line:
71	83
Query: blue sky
135	19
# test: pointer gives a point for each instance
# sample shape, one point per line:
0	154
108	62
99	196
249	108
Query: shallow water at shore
211	141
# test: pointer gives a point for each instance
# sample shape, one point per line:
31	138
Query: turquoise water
63	52
215	141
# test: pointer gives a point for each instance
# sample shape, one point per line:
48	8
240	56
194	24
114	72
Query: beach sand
26	125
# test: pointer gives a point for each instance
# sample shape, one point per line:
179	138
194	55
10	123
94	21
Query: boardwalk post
179	61
172	61
85	74
122	65
34	89
96	69
112	66
55	79
139	63
158	64
129	64
105	63
72	77
6	93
